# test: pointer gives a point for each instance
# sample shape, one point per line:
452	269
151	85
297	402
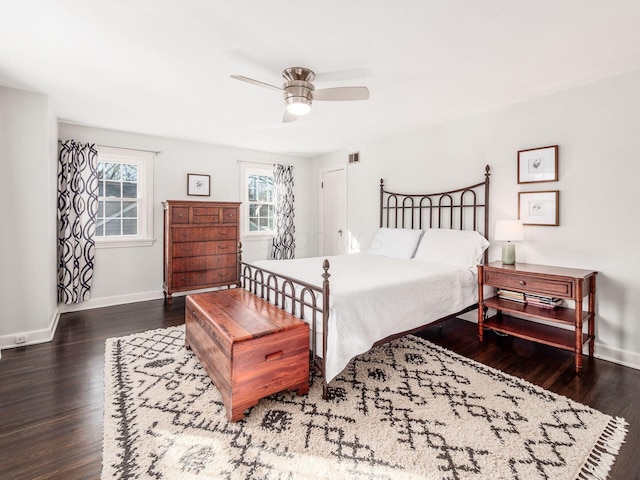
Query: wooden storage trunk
249	347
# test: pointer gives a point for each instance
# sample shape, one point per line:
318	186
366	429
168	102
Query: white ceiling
163	67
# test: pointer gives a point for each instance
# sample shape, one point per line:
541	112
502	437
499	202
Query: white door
333	213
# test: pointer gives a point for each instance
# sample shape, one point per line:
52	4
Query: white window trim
144	160
246	169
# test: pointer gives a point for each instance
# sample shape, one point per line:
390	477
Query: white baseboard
111	301
33	336
616	355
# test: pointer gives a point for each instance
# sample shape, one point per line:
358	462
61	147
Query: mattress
373	297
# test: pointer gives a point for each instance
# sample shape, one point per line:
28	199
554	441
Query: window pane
129	227
111	171
259	197
129	173
113	227
112	189
112	209
129	190
123	180
251	186
129	209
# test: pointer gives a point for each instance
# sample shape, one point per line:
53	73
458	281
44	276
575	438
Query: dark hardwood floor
51	395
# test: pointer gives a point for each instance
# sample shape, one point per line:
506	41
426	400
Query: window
258	203
125	198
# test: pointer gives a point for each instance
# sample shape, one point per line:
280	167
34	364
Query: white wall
596	127
124	275
28	145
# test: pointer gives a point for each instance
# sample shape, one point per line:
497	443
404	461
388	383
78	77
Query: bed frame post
325	326
239	263
487	174
381	200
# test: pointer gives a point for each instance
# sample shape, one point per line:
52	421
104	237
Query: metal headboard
465	208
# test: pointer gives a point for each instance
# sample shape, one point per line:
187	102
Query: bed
419	270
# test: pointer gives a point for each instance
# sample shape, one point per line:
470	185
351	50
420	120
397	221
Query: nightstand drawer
532	284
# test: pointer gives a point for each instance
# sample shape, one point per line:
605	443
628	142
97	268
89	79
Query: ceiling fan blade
256	82
341	93
288	117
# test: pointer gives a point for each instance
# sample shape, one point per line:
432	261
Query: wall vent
354	157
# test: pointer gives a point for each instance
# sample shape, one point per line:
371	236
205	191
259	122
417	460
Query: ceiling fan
299	92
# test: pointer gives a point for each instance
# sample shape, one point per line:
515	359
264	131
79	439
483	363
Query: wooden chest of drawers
200	245
249	347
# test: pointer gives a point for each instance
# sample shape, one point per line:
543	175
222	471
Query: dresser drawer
180	214
213	247
205	277
205	262
207	211
191	234
530	283
229	215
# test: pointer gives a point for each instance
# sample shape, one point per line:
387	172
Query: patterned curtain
284	242
77	211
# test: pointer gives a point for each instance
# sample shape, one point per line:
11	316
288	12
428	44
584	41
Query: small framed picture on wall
538	165
539	208
198	184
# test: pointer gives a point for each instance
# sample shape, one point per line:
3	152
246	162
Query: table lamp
508	231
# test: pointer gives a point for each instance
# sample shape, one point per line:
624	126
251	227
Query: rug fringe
604	452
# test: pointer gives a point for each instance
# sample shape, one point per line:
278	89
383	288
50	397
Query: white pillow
455	247
395	242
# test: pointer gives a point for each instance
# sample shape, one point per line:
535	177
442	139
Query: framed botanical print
198	184
538	165
539	208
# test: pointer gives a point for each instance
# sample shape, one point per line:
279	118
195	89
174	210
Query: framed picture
538	165
198	184
539	208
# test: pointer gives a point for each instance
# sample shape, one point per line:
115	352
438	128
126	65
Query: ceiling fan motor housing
298	87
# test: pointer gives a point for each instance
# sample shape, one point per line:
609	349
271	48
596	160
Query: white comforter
373	297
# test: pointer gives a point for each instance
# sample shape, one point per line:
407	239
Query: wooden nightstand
567	283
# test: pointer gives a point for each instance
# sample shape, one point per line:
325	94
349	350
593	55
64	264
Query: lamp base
508	254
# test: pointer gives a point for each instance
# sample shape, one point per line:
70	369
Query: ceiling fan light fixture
298	105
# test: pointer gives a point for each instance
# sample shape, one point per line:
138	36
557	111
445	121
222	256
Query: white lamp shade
509	230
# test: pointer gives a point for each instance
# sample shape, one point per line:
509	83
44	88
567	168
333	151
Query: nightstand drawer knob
523	283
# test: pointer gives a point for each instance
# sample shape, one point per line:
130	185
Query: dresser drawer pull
223	275
523	283
273	356
223	247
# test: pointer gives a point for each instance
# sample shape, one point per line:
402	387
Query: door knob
340	231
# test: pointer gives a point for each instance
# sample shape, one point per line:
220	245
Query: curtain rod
135	149
256	163
126	148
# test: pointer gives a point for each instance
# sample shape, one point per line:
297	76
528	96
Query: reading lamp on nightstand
509	231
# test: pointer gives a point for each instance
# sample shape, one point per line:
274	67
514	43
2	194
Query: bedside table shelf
546	334
562	315
568	283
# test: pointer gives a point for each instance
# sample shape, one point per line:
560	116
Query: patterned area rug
406	410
